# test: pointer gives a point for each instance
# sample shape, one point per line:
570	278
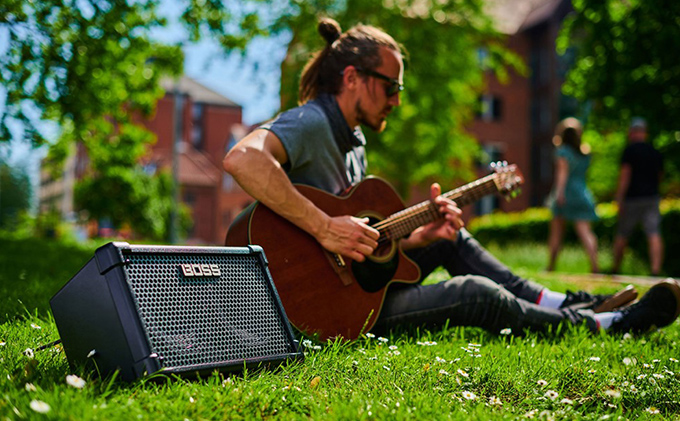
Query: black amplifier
145	309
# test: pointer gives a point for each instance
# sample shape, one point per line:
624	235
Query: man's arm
255	163
624	182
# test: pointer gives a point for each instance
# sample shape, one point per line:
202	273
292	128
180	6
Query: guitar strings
408	219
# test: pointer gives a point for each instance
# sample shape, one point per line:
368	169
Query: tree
93	69
91	66
15	194
626	66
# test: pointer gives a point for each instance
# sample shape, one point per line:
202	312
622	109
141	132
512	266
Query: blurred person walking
570	198
637	196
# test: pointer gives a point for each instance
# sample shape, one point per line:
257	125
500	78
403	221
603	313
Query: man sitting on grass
355	80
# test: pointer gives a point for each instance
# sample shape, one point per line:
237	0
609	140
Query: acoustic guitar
329	295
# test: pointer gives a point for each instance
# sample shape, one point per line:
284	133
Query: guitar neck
404	222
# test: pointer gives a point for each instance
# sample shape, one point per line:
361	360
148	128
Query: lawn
451	373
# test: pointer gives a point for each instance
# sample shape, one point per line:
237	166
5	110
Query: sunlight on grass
451	373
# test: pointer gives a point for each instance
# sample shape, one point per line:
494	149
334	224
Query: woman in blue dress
570	198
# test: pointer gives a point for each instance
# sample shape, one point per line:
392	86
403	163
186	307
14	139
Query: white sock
551	299
605	320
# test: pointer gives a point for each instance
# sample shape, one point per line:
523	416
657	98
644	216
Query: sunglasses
393	88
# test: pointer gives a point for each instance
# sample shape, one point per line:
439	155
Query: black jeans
482	292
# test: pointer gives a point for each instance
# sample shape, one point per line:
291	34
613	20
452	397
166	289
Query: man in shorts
638	196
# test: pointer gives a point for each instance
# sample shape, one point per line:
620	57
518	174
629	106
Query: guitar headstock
508	178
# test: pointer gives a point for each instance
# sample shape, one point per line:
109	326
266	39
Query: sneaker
659	307
582	300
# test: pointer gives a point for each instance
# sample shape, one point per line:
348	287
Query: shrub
532	225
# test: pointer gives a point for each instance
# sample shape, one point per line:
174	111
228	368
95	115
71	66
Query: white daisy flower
439	360
75	381
35	326
462	373
659	376
383	340
443	372
627	361
567	401
596	359
29	353
542	383
551	394
392	347
370	335
612	393
40	406
673	360
652	410
506	331
469	396
30	387
494	401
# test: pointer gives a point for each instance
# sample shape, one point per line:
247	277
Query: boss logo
194	270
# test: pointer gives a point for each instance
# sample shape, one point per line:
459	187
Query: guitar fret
404	222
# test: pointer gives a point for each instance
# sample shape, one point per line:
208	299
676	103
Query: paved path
619	279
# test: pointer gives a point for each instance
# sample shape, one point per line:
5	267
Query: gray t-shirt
314	158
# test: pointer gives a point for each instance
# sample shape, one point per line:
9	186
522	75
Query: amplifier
145	309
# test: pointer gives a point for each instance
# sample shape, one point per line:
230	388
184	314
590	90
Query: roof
197	92
513	16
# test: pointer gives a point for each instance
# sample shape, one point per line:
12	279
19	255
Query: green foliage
624	59
625	67
130	196
607	150
93	69
15	194
533	224
425	138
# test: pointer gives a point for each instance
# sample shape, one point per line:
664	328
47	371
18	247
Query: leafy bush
532	225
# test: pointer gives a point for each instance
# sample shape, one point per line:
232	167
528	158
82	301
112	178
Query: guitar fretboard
404	222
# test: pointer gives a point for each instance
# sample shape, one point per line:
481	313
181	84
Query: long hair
568	133
359	47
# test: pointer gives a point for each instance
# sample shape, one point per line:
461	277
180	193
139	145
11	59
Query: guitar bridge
340	267
339	260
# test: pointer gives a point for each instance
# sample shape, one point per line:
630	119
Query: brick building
210	124
519	117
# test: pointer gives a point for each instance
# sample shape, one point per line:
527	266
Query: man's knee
483	288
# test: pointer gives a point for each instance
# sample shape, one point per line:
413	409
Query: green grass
575	375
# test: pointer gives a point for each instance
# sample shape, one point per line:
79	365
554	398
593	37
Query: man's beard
378	126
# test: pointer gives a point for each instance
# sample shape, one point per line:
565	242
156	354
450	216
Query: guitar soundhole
374	273
383	250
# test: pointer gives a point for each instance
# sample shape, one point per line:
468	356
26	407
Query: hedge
532	225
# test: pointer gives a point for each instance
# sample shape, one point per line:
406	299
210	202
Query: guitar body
322	293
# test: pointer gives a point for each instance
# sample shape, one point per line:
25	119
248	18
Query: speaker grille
200	321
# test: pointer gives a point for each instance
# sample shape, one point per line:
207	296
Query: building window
490	108
197	126
483	58
490	153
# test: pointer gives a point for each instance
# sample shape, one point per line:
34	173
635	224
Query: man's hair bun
329	30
